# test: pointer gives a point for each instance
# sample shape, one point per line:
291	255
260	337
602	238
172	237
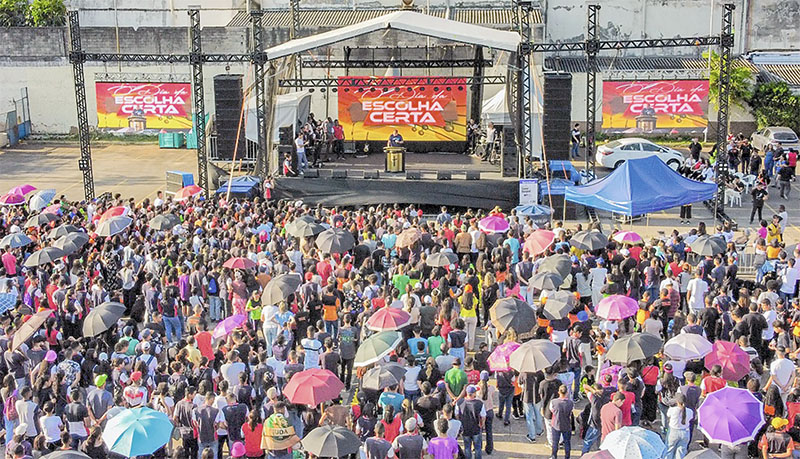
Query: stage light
436	88
336	90
310	89
460	88
449	88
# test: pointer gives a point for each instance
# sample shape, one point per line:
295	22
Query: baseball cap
777	423
51	356
411	425
136	376
99	380
484	375
472	389
146	346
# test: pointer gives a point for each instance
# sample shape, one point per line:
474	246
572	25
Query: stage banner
420	112
144	107
655	107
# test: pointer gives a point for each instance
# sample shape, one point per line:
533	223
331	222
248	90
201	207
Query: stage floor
424	162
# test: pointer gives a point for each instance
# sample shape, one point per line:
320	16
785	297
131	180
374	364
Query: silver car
779	135
616	152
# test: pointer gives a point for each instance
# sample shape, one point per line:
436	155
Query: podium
395	159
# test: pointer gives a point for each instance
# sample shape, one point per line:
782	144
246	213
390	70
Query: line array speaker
509	161
228	109
557	114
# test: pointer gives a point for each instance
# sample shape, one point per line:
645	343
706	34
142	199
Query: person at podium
395	140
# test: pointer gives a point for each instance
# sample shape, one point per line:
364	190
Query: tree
12	13
740	87
47	13
774	104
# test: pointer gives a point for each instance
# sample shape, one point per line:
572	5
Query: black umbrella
589	240
441	259
72	242
546	281
560	264
513	313
280	287
102	318
638	346
44	256
331	441
559	304
383	376
164	222
708	245
62	230
335	240
40	219
304	226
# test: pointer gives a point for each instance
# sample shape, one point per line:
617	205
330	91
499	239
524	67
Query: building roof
789	73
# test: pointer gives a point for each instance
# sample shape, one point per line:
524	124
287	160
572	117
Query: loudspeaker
509	161
413	175
283	149
372	174
557	114
286	135
558	207
473	175
311	173
443	175
228	110
339	174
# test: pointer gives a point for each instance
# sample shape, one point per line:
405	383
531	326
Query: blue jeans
677	444
574	149
534	419
412	395
212	445
460	353
332	328
576	383
469	441
302	161
270	335
215	307
10	426
488	429
505	406
557	436
173	328
592	436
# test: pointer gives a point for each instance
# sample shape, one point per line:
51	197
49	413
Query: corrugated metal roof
789	73
606	63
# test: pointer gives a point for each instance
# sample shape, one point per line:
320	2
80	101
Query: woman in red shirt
252	436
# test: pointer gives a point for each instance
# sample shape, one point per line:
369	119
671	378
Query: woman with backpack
9	395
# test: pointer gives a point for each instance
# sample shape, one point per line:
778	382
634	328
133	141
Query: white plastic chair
733	197
748	181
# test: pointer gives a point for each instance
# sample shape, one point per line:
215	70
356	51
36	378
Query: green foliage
740	87
12	12
47	13
774	104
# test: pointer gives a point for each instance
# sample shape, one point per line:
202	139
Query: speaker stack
557	117
509	162
228	109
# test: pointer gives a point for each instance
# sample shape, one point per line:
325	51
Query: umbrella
43	256
688	346
12	199
534	355
589	240
559	304
137	432
534	210
280	287
730	416
8	301
62	230
638	346
41	199
734	361
499	358
40	219
71	242
511	312
102	318
441	259
22	190
376	347
539	241
408	237
627	237
383	376
560	264
239	263
164	222
187	192
702	454
546	281
612	370
617	307
66	454
313	386
708	246
116	211
262	228
52	209
602	454
331	441
227	325
15	240
388	319
113	225
493	224
31	326
304	226
634	443
335	240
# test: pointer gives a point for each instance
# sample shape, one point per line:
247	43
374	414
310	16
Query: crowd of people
222	392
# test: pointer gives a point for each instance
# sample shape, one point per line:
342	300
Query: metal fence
16	124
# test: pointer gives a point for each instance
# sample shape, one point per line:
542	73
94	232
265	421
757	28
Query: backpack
10	407
213	288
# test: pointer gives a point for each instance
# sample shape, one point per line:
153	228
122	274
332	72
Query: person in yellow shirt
192	352
774	230
469	305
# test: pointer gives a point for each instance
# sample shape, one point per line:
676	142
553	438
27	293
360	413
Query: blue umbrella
634	443
261	228
8	301
534	211
15	240
41	199
137	432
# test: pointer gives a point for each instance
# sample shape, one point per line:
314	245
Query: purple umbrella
730	416
493	224
228	325
617	307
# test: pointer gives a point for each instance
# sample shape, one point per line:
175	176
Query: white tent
290	108
495	109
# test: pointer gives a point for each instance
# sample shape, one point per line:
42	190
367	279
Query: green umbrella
376	347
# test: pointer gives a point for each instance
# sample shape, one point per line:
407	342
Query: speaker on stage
443	175
311	173
372	174
473	175
557	114
339	174
413	175
286	135
509	161
228	110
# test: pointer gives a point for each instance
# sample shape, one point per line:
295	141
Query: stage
390	188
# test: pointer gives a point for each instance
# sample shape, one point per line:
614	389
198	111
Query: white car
780	135
616	152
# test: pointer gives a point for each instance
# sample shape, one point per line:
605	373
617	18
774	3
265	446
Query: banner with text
142	107
655	107
420	112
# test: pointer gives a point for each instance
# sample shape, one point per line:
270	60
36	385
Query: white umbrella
41	199
113	225
688	346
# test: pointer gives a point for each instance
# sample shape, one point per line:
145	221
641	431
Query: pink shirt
10	263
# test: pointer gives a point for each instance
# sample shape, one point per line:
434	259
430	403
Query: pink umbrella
493	224
539	241
612	370
54	209
228	325
22	190
617	307
602	454
239	263
734	361
12	199
628	237
388	319
117	211
498	359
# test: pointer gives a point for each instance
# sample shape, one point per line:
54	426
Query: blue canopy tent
245	186
641	186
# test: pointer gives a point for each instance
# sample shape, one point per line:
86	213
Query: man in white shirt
312	348
300	143
697	290
789	280
771	316
230	371
781	372
597	279
159	200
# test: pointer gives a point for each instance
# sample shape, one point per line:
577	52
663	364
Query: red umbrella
734	361
187	192
539	241
388	319
117	211
239	263
312	387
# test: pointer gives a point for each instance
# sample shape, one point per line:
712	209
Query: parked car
784	136
614	153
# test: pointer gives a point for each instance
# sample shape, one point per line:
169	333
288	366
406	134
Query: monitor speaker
559	211
311	173
557	114
413	175
339	174
372	174
443	175
473	175
283	149
228	109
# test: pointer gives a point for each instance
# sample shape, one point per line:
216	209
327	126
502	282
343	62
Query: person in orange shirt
330	311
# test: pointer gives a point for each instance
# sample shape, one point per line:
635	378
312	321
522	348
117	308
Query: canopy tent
408	21
245	186
641	186
289	109
495	109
